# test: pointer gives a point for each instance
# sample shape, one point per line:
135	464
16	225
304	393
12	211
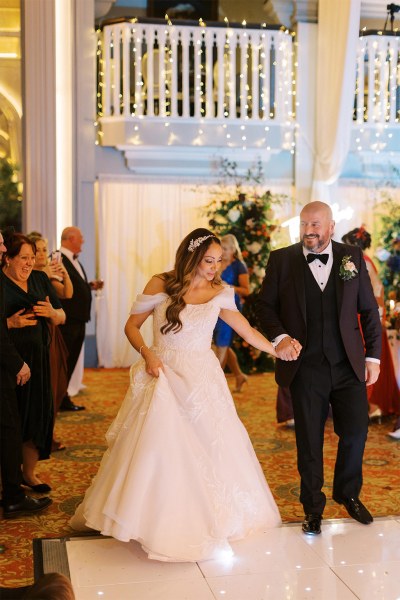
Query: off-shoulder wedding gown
180	474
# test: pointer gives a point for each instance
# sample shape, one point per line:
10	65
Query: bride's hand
153	364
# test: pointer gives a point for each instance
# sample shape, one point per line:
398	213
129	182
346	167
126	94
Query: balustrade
194	72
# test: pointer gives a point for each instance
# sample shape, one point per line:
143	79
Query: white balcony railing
377	97
193	72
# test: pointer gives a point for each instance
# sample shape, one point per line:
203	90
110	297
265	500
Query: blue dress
223	334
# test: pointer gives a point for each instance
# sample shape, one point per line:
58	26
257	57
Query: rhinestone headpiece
197	242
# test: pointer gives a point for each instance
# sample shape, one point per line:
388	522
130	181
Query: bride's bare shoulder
155	285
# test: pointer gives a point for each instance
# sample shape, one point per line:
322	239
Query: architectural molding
183	163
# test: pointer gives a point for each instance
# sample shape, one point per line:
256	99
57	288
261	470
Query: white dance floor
347	561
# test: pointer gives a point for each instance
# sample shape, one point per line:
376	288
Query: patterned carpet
69	471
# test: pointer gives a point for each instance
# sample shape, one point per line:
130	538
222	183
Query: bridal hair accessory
348	269
198	241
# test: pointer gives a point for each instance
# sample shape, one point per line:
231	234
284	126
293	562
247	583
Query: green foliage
242	207
10	198
389	240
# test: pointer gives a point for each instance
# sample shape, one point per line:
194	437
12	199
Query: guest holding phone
63	287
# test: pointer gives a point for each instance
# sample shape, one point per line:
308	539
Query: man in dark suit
13	371
314	291
76	308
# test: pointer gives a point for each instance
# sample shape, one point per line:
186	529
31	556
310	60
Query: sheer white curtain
338	30
140	225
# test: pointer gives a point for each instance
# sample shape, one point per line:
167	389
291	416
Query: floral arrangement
387	242
348	269
241	206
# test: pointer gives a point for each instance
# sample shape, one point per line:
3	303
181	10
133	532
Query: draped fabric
140	227
338	30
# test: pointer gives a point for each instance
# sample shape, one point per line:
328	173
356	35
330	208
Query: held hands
288	349
24	374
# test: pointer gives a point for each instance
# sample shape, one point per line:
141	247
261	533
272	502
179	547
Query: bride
180	475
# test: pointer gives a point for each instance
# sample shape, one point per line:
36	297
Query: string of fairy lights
265	98
377	94
267	95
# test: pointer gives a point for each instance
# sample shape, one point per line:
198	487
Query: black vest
324	339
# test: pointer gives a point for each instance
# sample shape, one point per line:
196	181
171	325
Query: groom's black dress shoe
312	524
67	404
27	506
356	510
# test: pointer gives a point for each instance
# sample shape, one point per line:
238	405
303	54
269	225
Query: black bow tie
322	257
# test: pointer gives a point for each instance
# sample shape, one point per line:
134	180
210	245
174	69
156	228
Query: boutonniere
348	269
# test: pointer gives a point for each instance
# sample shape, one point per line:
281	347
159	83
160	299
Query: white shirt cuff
278	339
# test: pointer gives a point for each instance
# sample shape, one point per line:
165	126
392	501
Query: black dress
35	400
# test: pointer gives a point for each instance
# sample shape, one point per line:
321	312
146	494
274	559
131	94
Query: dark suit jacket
77	307
282	307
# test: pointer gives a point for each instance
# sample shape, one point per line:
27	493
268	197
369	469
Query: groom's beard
313	242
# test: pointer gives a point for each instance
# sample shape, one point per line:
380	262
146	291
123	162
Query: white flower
254	248
233	215
347	269
350	266
258	271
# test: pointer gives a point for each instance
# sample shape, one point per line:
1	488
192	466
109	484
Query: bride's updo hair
189	255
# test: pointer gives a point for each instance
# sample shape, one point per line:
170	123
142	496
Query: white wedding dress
180	474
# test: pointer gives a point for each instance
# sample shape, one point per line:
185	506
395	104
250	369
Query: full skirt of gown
180	475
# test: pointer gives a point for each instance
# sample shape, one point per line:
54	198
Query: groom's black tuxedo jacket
282	307
77	307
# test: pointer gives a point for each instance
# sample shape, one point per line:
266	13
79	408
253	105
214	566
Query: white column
39	116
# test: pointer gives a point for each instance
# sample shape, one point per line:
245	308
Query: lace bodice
198	320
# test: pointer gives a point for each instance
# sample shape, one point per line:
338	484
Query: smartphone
56	256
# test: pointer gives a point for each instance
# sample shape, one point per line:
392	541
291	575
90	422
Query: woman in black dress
30	303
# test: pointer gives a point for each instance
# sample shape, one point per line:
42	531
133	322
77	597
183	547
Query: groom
313	291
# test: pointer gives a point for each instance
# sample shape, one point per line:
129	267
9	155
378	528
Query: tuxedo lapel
297	266
339	283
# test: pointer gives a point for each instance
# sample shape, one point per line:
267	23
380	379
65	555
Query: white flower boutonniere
348	269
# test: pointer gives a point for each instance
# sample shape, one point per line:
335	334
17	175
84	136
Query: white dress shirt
320	271
69	254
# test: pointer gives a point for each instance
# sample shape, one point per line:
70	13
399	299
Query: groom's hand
372	370
286	349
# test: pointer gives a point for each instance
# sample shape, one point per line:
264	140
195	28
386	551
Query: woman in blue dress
235	273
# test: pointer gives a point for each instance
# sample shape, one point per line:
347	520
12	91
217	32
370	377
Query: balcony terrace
228	87
182	85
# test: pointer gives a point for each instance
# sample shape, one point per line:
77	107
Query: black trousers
10	448
313	389
73	332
